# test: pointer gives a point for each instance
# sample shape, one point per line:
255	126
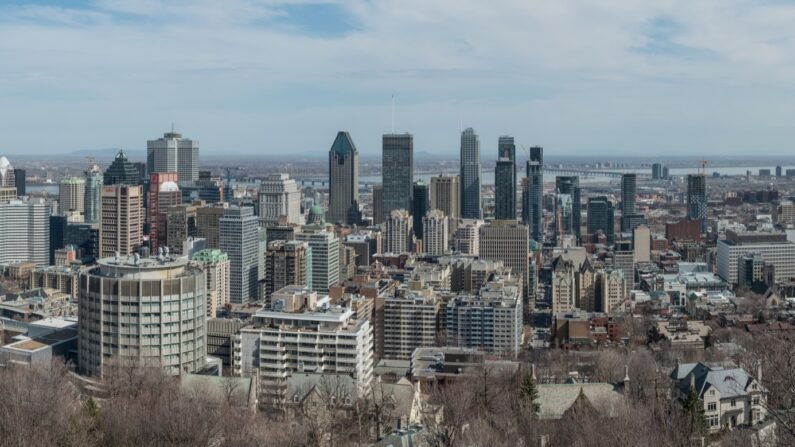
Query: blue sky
657	77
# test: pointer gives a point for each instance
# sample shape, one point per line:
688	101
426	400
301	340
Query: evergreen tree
530	393
694	407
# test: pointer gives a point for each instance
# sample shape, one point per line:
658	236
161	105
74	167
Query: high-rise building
207	223
378	204
466	239
445	192
601	216
609	291
279	196
142	312
420	206
398	232
629	191
641	244
534	198
778	173
71	195
470	175
25	232
238	238
208	187
20	177
7	194
564	219
409	322
697	199
571	185
163	194
774	248
505	180
507	241
436	233
122	220
665	172
181	226
7	178
122	172
93	194
215	265
397	172
172	153
325	247
289	263
343	171
656	171
366	244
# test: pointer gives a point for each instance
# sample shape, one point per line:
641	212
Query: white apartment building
435	229
398	234
325	247
303	333
25	232
773	247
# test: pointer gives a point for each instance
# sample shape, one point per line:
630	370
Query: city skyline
656	77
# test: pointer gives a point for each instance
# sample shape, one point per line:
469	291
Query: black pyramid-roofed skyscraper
122	172
343	170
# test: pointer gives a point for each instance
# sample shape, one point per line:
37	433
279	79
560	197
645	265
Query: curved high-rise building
470	175
142	311
93	194
343	172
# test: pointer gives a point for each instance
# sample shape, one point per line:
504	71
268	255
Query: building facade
122	220
215	265
470	175
239	239
343	167
25	232
71	195
533	203
173	153
505	180
436	233
697	199
397	172
279	196
398	233
288	263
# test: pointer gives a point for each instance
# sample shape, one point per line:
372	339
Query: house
556	400
731	396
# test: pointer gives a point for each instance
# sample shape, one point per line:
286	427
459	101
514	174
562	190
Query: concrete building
7	194
25	232
147	311
71	195
303	333
470	175
288	263
215	265
121	227
563	287
325	247
445	196
505	180
774	248
507	241
366	243
239	239
163	194
570	185
279	196
397	172
641	244
466	239
343	167
436	229
610	291
173	153
409	322
181	227
398	233
208	218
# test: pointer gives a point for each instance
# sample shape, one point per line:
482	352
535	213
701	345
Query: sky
270	77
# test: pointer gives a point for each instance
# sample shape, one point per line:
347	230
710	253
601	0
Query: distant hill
108	152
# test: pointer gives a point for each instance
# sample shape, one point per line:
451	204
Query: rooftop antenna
702	166
172	127
393	113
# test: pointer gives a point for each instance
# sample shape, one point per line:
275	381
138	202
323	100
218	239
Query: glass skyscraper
570	185
420	206
397	172
505	180
628	193
470	175
697	199
534	197
343	170
601	216
93	194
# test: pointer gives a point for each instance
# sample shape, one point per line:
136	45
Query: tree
694	408
529	393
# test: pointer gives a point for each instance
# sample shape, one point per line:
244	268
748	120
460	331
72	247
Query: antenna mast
393	113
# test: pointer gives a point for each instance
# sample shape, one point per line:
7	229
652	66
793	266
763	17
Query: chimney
626	380
692	380
759	372
533	371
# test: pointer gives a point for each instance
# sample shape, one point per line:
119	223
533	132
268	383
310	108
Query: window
734	402
713	421
755	400
712	406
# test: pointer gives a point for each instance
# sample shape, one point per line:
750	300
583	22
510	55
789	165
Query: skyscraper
71	195
325	246
505	180
419	207
122	172
397	172
279	196
398	234
215	264
343	171
470	175
163	194
6	174
172	153
207	223
508	242
697	199
25	232
628	193
445	191
20	177
535	194
122	220
436	233
656	171
601	216
93	194
239	239
289	263
571	185
378	204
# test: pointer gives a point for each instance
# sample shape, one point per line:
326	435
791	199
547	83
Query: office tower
609	291
470	175
366	244
774	248
629	191
656	171
25	232
279	196
420	206
57	231
505	179
490	321
466	239
571	185
398	232
181	225
665	172
397	172
172	153
163	194
409	322
697	199
624	260
7	194
238	238
778	175
506	241
564	219
276	334
288	263
378	204
325	247
142	312
436	232
601	216
122	172
208	187
535	194
122	220
641	244
215	265
71	195
20	177
7	178
208	218
445	196
93	194
343	171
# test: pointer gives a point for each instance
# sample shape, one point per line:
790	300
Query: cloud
249	76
